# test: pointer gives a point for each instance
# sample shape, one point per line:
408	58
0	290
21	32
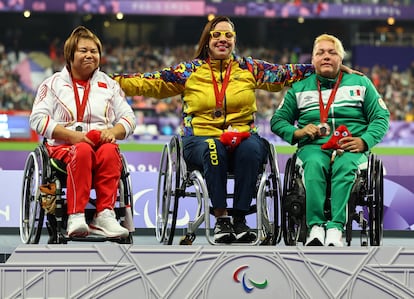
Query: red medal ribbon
80	107
325	110
220	95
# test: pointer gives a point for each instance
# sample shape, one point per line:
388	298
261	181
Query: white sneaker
334	237
105	224
77	226
316	236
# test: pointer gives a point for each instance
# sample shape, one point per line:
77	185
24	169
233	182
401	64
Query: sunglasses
218	34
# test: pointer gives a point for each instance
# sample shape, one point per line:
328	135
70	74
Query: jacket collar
327	82
221	63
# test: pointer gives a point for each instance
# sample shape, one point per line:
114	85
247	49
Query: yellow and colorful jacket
193	80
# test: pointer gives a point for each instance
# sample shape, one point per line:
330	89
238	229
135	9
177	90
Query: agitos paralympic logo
247	283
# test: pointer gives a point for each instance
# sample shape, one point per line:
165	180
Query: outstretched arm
348	70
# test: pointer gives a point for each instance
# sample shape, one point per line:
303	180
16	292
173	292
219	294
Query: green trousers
316	169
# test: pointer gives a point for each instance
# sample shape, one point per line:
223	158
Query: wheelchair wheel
270	206
127	201
126	181
31	212
293	209
167	193
288	228
376	203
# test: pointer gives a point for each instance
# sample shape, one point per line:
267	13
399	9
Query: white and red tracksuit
87	167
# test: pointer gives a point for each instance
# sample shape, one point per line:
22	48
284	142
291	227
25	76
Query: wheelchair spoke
377	206
31	212
168	182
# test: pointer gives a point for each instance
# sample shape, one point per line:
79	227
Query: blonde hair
327	37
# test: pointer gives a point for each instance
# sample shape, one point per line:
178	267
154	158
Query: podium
110	270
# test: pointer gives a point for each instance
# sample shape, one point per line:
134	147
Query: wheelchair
177	180
41	171
365	205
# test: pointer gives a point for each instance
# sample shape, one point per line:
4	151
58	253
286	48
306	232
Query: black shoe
243	232
223	230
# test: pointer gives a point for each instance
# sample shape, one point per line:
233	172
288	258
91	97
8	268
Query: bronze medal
217	113
220	94
324	129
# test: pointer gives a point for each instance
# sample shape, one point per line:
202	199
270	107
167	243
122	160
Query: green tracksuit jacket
360	108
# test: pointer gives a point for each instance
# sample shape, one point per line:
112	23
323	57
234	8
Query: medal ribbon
80	107
325	110
220	95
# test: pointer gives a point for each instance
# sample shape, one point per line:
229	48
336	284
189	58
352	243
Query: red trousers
89	168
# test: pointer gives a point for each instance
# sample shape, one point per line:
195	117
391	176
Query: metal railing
384	39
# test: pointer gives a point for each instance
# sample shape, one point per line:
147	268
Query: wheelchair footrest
87	239
96	238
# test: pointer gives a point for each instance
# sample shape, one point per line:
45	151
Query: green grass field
157	147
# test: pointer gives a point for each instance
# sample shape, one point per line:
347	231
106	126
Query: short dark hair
72	43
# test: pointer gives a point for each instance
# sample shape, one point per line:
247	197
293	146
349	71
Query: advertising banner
398	193
289	9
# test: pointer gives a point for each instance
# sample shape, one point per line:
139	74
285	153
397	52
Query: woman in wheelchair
219	134
310	113
82	112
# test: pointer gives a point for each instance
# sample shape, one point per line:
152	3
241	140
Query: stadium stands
397	87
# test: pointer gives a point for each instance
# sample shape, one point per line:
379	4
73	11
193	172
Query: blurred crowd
12	93
396	86
298	2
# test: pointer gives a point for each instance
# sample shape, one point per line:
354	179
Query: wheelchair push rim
376	204
289	229
271	204
168	183
31	212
